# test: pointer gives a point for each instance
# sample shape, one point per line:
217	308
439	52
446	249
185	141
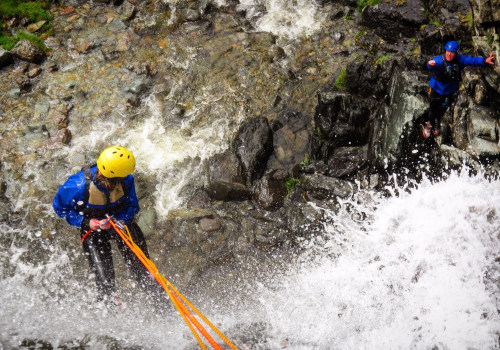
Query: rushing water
288	19
421	270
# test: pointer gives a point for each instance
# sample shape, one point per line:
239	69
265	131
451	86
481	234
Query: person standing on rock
85	200
444	83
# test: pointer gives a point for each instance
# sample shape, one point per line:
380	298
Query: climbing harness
89	231
182	305
449	73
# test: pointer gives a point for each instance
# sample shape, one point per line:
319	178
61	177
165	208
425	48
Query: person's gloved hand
105	224
491	59
96	224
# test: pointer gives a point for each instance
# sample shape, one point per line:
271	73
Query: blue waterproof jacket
71	196
450	87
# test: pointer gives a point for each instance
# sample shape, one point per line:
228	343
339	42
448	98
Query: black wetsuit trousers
97	248
438	106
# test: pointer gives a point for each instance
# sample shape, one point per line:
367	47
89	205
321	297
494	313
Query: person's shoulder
76	179
129	179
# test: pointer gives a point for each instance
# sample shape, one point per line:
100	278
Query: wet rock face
399	118
292	139
486	11
366	77
347	161
389	20
253	146
476	129
225	178
341	118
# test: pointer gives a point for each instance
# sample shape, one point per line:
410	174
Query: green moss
382	59
470	19
306	161
340	83
290	184
348	17
489	39
360	33
8	42
363	3
34	11
318	131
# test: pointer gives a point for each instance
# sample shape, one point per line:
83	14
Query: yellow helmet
116	161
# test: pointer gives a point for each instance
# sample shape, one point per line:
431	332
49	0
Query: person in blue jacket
87	198
444	83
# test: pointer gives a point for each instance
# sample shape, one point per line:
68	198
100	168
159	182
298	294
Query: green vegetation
33	10
340	82
348	17
306	161
363	3
489	39
318	131
470	19
290	184
360	33
8	42
12	11
382	59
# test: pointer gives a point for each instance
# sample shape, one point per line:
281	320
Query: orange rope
176	297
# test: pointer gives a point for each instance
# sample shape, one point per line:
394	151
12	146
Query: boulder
291	140
270	190
347	161
128	11
27	51
325	187
200	199
253	145
475	128
451	157
225	178
367	77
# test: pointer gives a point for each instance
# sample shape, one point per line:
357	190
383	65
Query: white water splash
285	18
420	272
413	277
